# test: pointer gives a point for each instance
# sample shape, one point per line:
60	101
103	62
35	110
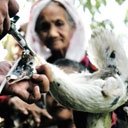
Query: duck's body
102	91
88	92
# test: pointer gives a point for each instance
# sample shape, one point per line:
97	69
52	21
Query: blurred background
107	13
111	14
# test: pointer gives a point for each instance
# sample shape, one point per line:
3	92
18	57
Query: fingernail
26	112
50	117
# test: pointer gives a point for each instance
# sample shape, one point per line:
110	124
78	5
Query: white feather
102	44
88	93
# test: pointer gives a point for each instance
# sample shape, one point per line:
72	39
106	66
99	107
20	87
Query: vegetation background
111	14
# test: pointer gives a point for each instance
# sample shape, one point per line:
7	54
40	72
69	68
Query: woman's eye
59	23
44	27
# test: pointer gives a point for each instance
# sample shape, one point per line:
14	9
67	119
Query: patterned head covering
76	49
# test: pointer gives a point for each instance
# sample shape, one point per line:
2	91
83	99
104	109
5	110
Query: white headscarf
76	49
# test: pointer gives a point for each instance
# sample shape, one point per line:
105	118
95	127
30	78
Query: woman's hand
28	90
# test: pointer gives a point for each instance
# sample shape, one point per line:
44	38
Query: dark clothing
80	119
4	105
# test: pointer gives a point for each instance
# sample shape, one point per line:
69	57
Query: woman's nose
53	32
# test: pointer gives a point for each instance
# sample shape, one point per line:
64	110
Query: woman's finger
13	8
42	82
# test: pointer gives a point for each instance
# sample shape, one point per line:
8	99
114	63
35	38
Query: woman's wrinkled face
53	28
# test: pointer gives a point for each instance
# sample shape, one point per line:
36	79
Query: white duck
102	91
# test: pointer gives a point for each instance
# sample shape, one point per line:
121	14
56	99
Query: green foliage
120	1
105	23
94	7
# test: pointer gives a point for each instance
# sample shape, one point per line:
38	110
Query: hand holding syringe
24	66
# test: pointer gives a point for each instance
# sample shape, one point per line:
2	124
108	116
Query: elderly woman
56	33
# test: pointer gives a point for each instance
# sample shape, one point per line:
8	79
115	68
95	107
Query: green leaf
104	24
120	1
104	2
126	17
98	4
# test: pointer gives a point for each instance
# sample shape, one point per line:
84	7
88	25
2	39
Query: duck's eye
113	55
